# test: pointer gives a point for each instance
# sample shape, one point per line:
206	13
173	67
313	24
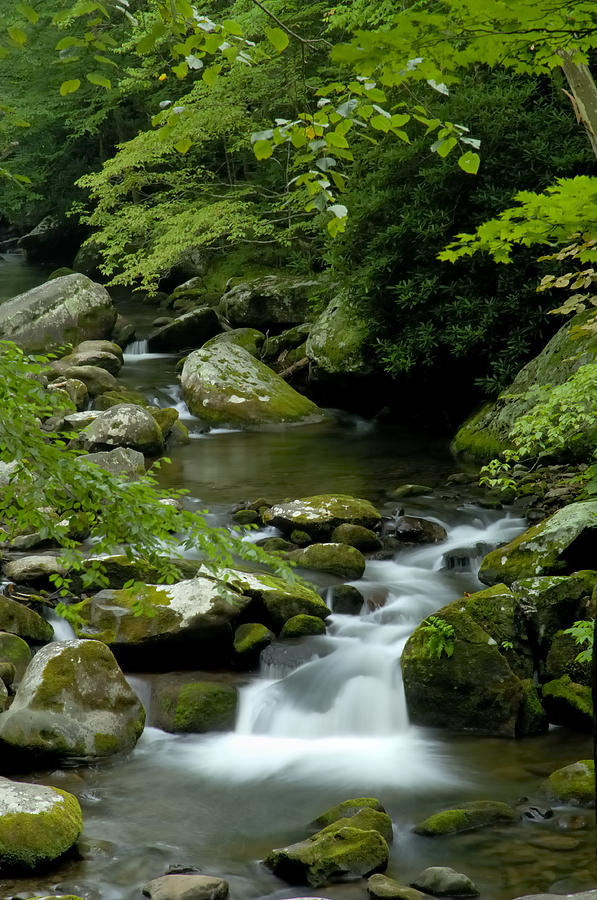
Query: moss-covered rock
346	809
165	417
476	814
410	490
573	784
126	425
552	602
103	359
320	514
8	673
34	569
246	517
339	345
532	718
250	339
332	559
330	856
286	341
116	397
561	660
196	707
346	599
570	704
124	462
497	611
486	433
277	600
269	302
65	310
225	385
276	545
560	545
301	625
365	818
185	332
380	887
37	824
73	701
186	887
252	637
95	379
363	539
417	530
18	619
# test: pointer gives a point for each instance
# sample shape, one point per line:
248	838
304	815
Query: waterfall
136	348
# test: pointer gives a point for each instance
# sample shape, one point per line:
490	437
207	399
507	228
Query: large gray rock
268	302
339	344
250	339
224	385
332	559
125	425
185	332
103	359
124	462
442	881
73	701
277	600
486	433
18	619
186	887
37	824
65	310
319	515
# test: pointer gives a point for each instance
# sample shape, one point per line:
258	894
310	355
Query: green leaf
263	149
381	123
69	87
30	14
106	61
210	75
233	27
278	38
443	147
146	44
181	69
469	162
99	79
183	146
67	42
17	35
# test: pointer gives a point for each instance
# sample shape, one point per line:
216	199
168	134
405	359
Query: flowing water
334	725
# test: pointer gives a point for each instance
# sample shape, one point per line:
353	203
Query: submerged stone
380	887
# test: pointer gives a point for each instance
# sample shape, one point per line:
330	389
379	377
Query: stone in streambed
319	515
562	660
477	814
552	602
102	359
27	624
185	332
269	301
569	704
195	708
37	824
277	599
410	490
125	425
380	887
251	638
298	626
347	600
250	339
416	530
123	462
346	809
363	539
34	569
332	559
186	887
442	881
366	819
573	784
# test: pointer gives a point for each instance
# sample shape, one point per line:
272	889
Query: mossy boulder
196	707
346	600
225	385
269	302
18	619
367	819
95	379
185	332
573	784
124	462
8	673
346	809
330	856
37	824
121	395
252	637
380	887
34	569
363	539
298	626
417	530
561	544
332	559
486	433
103	359
476	814
286	342
442	881
73	701
497	611
570	704
250	339
561	660
552	602
276	600
126	425
340	343
65	310
320	514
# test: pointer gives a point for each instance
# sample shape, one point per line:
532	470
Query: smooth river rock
186	887
319	515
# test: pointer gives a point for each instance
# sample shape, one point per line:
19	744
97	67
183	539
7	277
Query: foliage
583	633
439	636
47	485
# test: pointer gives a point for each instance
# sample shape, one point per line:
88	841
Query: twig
303	41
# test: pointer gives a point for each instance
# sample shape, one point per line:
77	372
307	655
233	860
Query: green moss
15	650
380	887
366	818
574	783
333	559
477	814
205	706
301	625
569	704
106	744
347	808
165	418
532	718
252	637
474	442
28	840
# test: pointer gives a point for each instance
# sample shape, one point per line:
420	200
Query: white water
344	710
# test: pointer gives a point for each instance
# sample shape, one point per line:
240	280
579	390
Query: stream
336	725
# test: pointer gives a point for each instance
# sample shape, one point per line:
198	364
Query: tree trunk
584	95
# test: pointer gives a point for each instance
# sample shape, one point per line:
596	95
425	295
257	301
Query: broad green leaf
146	44
181	69
210	75
22	178
339	210
380	123
263	149
278	38
99	79
443	147
30	14
69	87
106	61
233	27
469	162
183	146
17	35
67	42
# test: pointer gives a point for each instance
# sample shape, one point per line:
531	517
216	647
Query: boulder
34	569
124	462
251	638
442	881
27	624
95	379
74	389
330	856
367	819
65	310
100	347
363	539
562	660
281	345
225	385
476	814
269	302
125	425
186	887
561	544
332	559
185	332
380	887
120	395
37	824
320	514
573	784
339	346
410	490
7	674
14	650
196	614
346	600
346	809
103	359
195	707
298	626
73	701
486	433
570	704
550	603
250	339
416	530
277	600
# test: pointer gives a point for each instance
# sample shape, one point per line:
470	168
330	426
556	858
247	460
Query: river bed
337	726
